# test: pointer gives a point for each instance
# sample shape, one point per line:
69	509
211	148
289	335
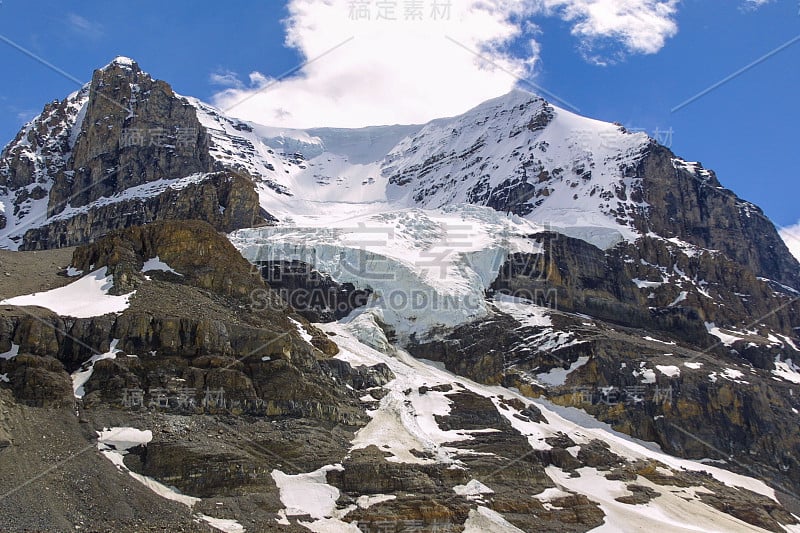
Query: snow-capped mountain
516	154
487	312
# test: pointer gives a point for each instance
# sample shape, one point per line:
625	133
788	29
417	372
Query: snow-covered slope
520	154
407	420
44	147
515	153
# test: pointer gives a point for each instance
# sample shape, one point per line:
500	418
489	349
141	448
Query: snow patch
10	354
647	284
733	375
681	297
226	525
524	311
553	493
483	519
786	370
82	375
657	340
85	298
301	330
474	489
73	272
647	375
121	61
156	264
368	500
558	376
726	338
670	371
308	494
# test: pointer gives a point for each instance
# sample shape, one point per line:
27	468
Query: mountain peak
124	62
513	98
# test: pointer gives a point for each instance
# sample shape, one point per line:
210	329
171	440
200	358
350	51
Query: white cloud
26	115
755	4
791	236
410	71
84	26
640	26
226	79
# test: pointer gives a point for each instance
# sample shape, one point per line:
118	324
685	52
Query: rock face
223	199
203	257
134	130
194	327
651	306
124	150
688	202
313	294
654	284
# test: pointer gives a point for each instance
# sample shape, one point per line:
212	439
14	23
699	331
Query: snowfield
84	373
308	177
83	298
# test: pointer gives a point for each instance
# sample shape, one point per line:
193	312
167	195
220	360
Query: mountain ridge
526	187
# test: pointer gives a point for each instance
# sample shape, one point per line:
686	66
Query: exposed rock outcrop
125	150
688	202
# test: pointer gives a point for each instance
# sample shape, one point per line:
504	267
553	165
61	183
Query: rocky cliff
122	151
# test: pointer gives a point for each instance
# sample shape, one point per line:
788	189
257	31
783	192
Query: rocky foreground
267	422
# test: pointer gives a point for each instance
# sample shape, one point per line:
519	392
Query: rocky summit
515	319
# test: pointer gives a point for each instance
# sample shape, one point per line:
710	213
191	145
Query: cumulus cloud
640	26
791	236
393	62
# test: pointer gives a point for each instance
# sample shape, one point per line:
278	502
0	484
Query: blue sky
746	130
